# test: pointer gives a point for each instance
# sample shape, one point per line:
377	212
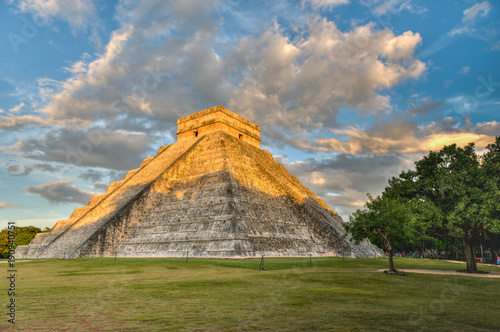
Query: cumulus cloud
477	10
343	180
4	204
306	81
91	175
77	13
30	168
288	84
168	59
326	3
17	108
383	7
96	147
13	168
423	107
464	70
471	27
12	122
99	187
491	128
60	192
403	136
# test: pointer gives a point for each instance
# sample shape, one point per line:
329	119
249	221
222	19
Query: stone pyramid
213	193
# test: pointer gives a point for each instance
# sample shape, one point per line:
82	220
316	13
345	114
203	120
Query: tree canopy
452	194
24	235
456	186
384	222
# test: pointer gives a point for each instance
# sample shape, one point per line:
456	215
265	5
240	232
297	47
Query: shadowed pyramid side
225	198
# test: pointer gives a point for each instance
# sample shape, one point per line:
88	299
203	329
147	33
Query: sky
347	93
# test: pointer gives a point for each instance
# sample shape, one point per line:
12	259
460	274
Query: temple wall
218	118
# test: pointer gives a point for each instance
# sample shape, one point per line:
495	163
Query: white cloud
60	192
17	108
477	10
405	137
30	168
343	180
77	67
491	128
383	7
166	62
77	13
4	204
15	122
306	81
326	3
471	27
464	70
114	149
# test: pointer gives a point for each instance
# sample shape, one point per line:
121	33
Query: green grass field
232	295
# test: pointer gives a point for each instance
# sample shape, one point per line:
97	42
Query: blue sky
347	93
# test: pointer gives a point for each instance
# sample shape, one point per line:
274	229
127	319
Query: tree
24	235
455	197
491	160
384	221
491	164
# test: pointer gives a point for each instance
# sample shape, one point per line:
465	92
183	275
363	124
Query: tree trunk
391	263
470	257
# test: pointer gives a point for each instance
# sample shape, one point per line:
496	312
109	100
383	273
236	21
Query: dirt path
491	274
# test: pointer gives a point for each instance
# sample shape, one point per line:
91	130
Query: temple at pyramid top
218	118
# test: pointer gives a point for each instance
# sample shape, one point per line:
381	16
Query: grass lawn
232	295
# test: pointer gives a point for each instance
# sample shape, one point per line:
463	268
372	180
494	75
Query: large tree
454	196
385	222
491	160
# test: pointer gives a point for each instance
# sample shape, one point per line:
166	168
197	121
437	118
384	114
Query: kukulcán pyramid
213	193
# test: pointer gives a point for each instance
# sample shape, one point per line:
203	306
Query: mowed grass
234	295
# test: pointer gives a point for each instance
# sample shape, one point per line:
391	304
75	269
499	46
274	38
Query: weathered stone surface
213	194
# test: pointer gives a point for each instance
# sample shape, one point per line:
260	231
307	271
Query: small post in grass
187	255
310	259
262	263
115	256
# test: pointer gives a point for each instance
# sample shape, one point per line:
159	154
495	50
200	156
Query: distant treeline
24	235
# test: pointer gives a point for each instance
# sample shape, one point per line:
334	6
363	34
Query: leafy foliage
24	235
384	222
461	195
452	197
